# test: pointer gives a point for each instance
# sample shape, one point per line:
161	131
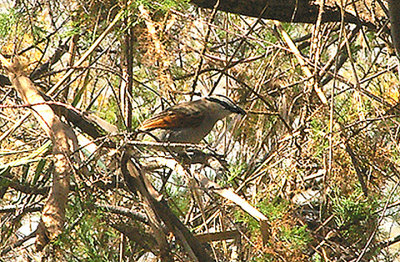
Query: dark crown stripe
229	106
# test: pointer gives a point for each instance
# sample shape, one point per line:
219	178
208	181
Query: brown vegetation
310	174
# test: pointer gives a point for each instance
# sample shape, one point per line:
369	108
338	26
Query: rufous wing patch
164	121
174	118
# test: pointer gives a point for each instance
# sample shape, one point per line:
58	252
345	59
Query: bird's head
226	104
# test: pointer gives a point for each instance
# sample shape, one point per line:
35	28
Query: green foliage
249	221
89	238
11	24
291	235
168	50
167	4
235	170
4	172
275	209
110	112
7	20
179	193
317	258
181	203
319	129
354	214
38	31
298	237
163	5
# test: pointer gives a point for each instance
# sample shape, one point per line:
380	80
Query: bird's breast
187	135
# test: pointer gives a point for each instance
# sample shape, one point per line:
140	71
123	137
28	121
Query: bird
190	122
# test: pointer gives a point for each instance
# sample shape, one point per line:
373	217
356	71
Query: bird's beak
240	111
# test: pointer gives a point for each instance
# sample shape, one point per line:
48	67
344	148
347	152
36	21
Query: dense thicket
311	173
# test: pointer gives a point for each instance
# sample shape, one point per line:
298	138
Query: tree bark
394	11
64	145
298	11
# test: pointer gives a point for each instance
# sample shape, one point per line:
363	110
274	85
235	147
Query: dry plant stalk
64	145
226	193
302	62
156	53
158	211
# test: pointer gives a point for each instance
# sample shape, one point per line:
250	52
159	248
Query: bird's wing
175	117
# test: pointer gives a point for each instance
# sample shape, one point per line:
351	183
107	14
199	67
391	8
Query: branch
122	211
87	53
359	170
138	183
226	193
64	144
394	11
23	187
296	11
134	234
